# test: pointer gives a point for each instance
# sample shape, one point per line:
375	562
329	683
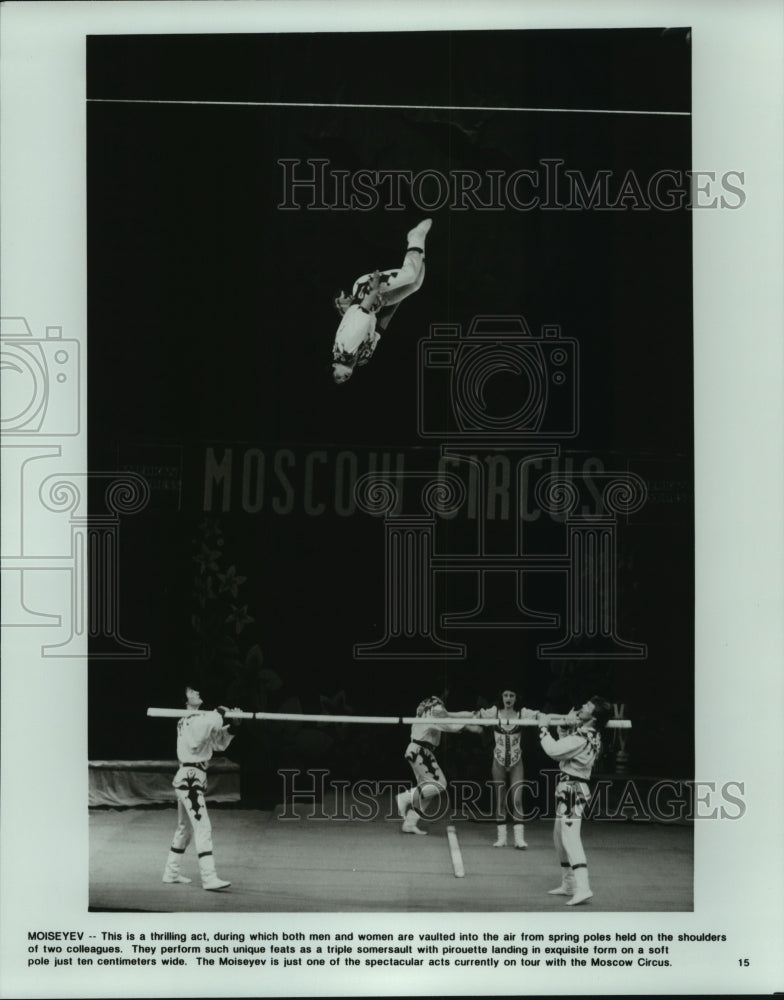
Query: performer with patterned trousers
420	754
577	749
198	735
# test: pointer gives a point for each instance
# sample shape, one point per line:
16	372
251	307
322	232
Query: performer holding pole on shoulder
198	735
577	750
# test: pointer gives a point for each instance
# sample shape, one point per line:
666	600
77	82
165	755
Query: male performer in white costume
577	750
198	735
372	303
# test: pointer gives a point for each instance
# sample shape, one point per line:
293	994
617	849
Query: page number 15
743	961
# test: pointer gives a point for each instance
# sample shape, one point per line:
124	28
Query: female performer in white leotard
507	767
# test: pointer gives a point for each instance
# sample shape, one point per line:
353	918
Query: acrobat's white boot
519	837
171	873
566	888
209	877
410	823
501	839
415	239
582	889
403	800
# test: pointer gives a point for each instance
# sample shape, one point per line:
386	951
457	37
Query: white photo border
738	110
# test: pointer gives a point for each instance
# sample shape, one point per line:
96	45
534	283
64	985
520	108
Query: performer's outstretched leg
397	285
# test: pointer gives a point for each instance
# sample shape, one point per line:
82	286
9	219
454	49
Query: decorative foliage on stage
228	657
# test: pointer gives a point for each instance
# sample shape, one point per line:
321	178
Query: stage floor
334	865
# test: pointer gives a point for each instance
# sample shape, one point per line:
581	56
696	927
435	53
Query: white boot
519	839
171	873
501	841
410	823
566	888
209	877
403	801
415	239
582	888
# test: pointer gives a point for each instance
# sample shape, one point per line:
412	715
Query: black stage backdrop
253	563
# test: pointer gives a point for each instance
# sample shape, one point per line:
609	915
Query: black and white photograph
416	431
391	577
